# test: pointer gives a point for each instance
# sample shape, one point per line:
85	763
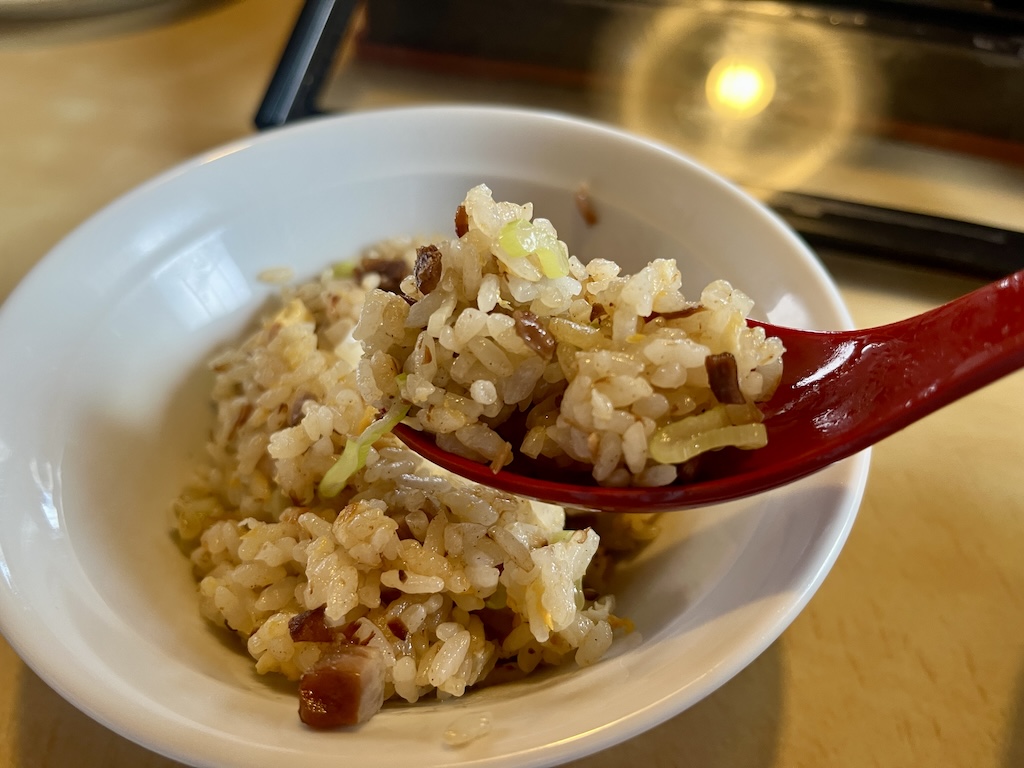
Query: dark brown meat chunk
310	627
585	205
534	333
461	221
428	268
243	416
678	314
723	378
398	628
345	687
391	271
295	413
498	623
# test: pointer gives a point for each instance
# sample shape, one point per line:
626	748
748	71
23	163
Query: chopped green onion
560	537
554	261
517	238
498	599
520	239
747	436
664	443
344	269
353	457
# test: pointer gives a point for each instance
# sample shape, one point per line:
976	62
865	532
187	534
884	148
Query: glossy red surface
841	392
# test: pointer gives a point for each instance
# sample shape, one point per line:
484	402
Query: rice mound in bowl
375	576
406	583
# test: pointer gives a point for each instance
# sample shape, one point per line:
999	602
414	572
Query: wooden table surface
911	653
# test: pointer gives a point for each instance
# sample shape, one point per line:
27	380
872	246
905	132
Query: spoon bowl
841	392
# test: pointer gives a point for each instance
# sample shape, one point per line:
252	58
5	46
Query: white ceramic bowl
105	391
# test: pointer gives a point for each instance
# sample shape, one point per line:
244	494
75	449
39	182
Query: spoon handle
850	389
957	348
976	339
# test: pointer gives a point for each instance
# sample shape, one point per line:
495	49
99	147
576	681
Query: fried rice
346	563
406	582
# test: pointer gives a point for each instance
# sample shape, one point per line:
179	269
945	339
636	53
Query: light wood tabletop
911	653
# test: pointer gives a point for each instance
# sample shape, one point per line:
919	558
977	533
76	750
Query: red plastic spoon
840	393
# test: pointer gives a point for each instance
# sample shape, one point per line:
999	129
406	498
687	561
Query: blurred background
887	127
890	128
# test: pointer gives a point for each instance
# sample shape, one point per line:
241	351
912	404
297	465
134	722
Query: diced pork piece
346	687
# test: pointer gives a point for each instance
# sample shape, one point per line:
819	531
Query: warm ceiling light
739	87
